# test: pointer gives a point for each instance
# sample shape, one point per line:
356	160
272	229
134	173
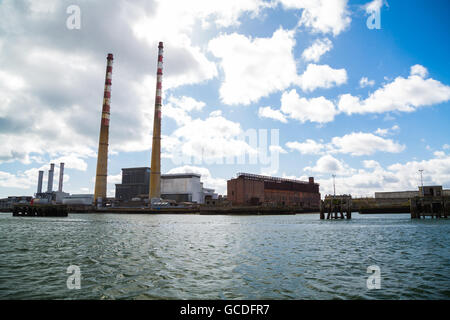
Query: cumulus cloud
374	177
372	6
321	76
211	139
402	94
355	144
302	109
365	82
360	143
268	112
179	109
114	178
308	147
275	148
216	113
324	16
317	49
51	93
419	70
387	131
28	179
328	164
241	58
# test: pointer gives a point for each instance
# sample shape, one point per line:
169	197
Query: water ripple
223	257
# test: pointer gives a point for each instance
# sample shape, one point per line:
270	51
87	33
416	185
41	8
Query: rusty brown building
252	189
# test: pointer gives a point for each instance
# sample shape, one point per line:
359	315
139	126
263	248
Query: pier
39	210
336	207
433	207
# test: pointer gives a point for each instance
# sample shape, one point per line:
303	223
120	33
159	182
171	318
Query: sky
288	88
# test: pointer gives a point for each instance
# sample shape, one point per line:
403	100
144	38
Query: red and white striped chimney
159	79
107	92
155	173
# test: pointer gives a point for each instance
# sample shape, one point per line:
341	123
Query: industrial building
182	187
135	183
252	189
6	204
78	199
427	190
51	196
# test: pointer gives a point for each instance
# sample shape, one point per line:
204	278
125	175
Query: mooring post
322	213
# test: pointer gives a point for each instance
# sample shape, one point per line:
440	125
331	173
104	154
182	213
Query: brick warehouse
252	189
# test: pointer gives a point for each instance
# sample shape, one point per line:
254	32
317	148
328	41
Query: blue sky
369	105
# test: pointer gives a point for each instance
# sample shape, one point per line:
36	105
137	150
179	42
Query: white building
184	187
78	199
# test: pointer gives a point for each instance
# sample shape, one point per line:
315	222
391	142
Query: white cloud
395	177
318	109
268	112
317	49
28	179
187	103
308	147
371	164
321	76
365	82
275	148
242	58
387	131
211	139
20	180
30	97
216	113
400	95
114	178
355	144
325	16
71	161
439	154
382	132
372	6
179	109
328	164
360	143
419	70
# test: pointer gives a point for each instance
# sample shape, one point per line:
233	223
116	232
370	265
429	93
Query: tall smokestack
61	176
155	174
50	177
40	178
102	157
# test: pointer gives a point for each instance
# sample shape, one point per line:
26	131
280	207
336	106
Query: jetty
336	207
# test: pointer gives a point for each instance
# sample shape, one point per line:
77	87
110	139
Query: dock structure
430	202
336	207
434	207
39	210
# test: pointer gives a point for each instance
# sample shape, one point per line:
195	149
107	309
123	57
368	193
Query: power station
51	196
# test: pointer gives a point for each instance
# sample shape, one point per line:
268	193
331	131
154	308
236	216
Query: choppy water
223	257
